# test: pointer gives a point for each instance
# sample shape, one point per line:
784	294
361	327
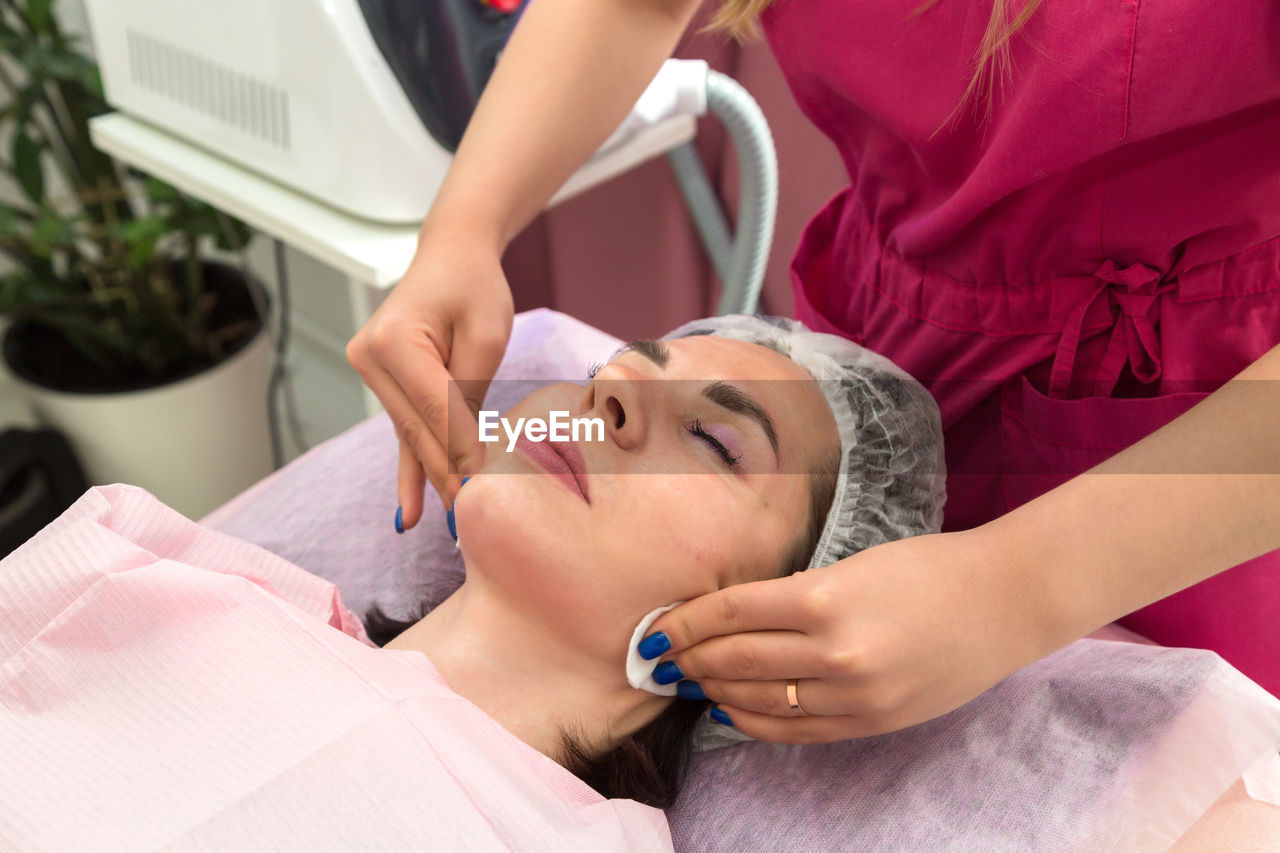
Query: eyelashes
714	444
593	368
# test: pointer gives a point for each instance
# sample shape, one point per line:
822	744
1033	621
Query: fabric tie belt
1136	290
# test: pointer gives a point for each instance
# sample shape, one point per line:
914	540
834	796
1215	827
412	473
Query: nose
617	397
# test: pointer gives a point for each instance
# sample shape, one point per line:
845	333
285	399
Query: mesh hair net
892	476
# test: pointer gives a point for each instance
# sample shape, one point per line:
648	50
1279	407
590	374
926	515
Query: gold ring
792	699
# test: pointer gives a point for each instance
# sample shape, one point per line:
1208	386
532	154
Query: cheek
687	537
505	525
518	536
656	540
743	537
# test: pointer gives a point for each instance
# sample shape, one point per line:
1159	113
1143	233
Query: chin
510	528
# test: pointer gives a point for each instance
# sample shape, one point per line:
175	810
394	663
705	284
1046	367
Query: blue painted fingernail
653	645
690	690
450	520
667	673
721	717
399	520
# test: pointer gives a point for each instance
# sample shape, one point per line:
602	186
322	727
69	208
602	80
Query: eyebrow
656	351
721	393
740	402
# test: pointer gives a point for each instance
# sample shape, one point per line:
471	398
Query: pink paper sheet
164	685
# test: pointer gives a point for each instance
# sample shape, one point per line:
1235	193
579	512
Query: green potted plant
151	360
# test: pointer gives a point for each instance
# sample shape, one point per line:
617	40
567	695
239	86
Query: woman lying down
164	685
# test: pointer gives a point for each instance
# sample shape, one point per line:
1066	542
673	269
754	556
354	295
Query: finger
473	360
810	729
759	606
411	481
816	697
439	404
410	428
753	656
413	416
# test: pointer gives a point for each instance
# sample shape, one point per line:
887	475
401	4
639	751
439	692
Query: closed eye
712	442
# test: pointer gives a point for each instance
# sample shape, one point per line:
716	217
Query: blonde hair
991	60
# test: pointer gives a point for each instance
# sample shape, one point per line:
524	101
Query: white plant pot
194	443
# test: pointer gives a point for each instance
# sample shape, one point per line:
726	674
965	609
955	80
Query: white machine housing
298	91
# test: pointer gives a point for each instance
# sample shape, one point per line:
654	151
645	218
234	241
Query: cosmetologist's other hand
893	636
448	319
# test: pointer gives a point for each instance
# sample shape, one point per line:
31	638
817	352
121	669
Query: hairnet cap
892	479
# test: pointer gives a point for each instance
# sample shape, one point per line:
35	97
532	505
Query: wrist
466	224
1037	581
459	236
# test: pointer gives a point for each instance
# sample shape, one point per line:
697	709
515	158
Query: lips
562	460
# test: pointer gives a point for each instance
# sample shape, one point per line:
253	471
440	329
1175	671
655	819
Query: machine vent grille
235	99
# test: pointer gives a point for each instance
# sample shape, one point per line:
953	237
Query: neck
531	679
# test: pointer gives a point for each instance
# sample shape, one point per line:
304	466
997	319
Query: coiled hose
739	259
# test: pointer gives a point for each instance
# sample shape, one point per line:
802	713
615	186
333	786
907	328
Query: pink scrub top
1072	274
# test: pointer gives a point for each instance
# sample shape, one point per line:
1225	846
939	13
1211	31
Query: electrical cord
290	399
279	338
255	293
264	316
277	367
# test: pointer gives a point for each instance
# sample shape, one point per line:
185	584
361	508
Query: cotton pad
708	735
639	670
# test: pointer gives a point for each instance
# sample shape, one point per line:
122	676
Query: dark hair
650	765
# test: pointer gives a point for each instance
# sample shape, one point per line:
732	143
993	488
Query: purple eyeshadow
725	436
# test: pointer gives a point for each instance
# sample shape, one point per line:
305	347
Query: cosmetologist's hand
448	318
890	637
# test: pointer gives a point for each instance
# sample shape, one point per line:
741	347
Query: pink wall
625	256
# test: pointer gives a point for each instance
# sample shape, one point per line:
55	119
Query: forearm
1190	500
569	75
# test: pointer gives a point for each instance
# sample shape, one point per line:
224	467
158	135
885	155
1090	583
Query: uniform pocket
1047	441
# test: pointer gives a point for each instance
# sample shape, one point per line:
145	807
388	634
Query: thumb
767	605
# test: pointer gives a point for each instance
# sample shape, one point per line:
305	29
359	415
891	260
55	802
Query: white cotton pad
708	734
639	670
